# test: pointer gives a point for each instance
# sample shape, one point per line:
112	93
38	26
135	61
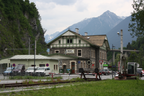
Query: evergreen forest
19	26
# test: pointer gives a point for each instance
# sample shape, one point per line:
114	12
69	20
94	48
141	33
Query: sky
57	15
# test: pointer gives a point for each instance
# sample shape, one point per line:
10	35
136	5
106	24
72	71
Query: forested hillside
19	21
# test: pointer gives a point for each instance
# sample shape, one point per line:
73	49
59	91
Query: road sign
100	61
47	64
13	65
78	61
92	64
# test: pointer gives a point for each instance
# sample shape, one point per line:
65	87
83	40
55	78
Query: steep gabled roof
94	40
98	40
76	35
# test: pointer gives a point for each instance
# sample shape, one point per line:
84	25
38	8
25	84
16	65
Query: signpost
100	61
78	62
13	64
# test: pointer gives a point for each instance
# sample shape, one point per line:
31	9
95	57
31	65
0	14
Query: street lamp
121	65
112	60
36	38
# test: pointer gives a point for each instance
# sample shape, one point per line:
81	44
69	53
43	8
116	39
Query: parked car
139	72
19	70
110	71
8	71
42	71
30	70
142	72
105	71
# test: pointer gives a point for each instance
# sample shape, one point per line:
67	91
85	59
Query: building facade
29	61
85	51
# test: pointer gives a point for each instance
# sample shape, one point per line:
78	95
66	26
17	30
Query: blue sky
59	14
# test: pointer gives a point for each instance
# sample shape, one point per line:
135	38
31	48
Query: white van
30	70
42	71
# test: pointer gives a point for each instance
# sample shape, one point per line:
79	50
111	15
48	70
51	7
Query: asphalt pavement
5	80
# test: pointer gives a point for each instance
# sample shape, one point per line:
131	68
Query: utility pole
121	64
13	44
36	38
29	47
112	62
121	51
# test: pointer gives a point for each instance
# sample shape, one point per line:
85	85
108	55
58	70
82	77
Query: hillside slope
19	21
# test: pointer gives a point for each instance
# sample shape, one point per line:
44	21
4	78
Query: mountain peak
108	13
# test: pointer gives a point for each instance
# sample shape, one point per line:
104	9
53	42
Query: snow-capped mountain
94	26
51	36
97	25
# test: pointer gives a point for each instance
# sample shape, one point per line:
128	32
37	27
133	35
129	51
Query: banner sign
70	51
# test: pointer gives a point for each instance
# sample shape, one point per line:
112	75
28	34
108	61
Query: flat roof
31	57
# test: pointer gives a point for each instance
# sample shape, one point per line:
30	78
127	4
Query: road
4	80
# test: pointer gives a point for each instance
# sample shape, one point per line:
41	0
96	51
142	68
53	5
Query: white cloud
59	14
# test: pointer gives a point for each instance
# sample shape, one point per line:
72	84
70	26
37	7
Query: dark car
19	70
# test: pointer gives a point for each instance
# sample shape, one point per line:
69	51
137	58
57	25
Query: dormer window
69	41
59	41
79	41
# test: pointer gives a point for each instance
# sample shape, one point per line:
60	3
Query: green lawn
95	88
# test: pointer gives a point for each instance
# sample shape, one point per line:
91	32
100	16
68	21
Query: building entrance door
64	68
73	67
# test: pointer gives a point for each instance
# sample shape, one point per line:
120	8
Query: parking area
4	79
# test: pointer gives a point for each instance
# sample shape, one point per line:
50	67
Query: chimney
86	33
77	30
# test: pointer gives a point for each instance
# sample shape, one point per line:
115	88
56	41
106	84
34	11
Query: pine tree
137	25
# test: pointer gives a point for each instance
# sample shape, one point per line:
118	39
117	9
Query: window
41	65
59	41
54	67
79	41
79	53
81	64
69	41
57	51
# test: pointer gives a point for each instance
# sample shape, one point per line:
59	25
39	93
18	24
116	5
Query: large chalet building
76	51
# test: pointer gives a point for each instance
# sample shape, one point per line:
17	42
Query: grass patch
94	88
32	77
